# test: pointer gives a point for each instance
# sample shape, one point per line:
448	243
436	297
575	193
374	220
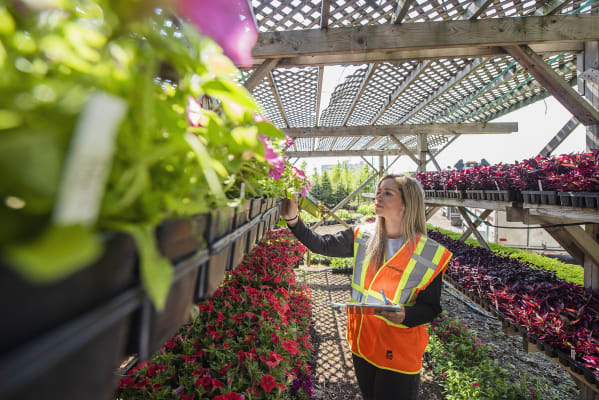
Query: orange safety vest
373	337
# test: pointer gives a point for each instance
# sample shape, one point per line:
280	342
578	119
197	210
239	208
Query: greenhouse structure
143	169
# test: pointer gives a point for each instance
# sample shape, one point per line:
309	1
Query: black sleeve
428	304
341	244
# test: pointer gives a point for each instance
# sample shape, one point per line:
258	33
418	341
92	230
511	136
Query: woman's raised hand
289	210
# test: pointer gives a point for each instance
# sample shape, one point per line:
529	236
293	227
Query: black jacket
341	244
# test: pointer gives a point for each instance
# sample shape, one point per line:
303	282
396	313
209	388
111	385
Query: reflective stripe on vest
402	277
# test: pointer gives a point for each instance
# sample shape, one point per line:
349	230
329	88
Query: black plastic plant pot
590	199
255	207
156	327
76	360
181	238
565	199
30	310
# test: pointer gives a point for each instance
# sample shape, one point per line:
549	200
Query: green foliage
343	214
467	369
341	263
366	210
568	272
52	63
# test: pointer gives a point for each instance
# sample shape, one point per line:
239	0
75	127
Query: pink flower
229	22
474	384
194	112
298	173
276	160
288	141
306	188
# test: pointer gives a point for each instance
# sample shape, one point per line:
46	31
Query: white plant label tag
88	160
573	354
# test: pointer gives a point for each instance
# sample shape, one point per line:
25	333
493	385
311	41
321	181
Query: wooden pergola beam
448	35
324	14
475	65
405	149
363	85
260	73
275	92
413	77
476	9
554	84
319	94
397	56
403	6
559	137
475	128
345	153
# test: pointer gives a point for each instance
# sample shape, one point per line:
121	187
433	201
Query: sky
538	123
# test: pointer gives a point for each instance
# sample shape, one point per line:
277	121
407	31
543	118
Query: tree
326	189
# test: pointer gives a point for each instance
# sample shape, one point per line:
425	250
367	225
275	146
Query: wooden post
590	89
422	150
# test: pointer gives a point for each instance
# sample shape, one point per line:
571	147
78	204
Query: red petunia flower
125	383
268	383
290	346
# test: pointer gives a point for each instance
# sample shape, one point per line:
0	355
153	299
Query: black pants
381	384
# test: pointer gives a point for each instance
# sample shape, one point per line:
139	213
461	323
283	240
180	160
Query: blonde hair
413	222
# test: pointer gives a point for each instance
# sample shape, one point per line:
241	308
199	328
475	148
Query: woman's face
388	202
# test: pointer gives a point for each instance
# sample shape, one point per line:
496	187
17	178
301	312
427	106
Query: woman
395	263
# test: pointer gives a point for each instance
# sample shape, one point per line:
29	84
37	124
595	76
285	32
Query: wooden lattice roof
415	62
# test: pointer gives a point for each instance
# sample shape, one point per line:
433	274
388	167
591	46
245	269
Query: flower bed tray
475	194
539	197
500	195
32	310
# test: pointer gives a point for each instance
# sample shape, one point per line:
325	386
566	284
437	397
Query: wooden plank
403	6
324	14
591	92
591	268
553	83
568	214
397	56
476	223
319	94
368	162
559	137
367	77
410	79
428	35
422	150
430	211
479	237
551	7
585	242
567	242
473	128
486	204
345	153
472	67
405	149
275	92
260	73
434	160
476	8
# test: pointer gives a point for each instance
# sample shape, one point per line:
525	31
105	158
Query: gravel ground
333	375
